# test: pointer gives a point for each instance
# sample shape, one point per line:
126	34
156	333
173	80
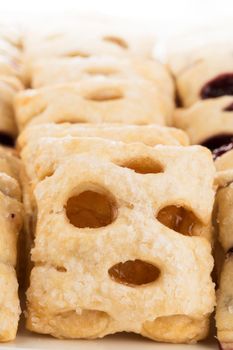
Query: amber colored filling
178	219
143	166
220	86
219	144
6	140
90	209
134	272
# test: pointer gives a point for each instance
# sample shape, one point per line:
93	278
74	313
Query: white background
172	13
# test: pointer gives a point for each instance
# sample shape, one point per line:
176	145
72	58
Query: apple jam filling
134	272
90	209
178	219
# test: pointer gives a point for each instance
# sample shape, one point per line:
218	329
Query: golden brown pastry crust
41	159
9	303
69	281
205	119
11	220
95	101
195	68
11	72
64	70
73	70
224	318
224	200
150	135
9	86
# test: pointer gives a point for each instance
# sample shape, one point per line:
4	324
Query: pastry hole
49	173
117	41
229	108
71	121
73	324
90	209
76	54
61	269
134	272
178	100
178	219
101	71
229	253
143	166
106	94
219	144
6	139
219	86
176	327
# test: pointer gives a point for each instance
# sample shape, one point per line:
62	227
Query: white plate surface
29	341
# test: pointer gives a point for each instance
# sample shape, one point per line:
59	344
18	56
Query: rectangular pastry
11	220
11	51
73	70
114	240
9	86
209	123
95	100
203	73
11	73
64	70
102	37
65	39
29	143
150	135
224	318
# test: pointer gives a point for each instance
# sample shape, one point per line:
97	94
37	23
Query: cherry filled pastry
219	144
222	85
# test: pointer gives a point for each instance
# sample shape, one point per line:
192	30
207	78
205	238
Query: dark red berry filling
6	140
219	86
219	144
229	108
230	251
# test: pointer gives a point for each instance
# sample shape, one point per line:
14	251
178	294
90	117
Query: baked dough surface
11	222
96	100
150	135
205	119
72	293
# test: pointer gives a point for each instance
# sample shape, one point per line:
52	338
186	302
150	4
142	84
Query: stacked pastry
11	218
122	239
223	224
11	77
120	218
99	78
205	86
11	211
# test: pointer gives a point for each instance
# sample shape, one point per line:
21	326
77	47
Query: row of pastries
119	221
